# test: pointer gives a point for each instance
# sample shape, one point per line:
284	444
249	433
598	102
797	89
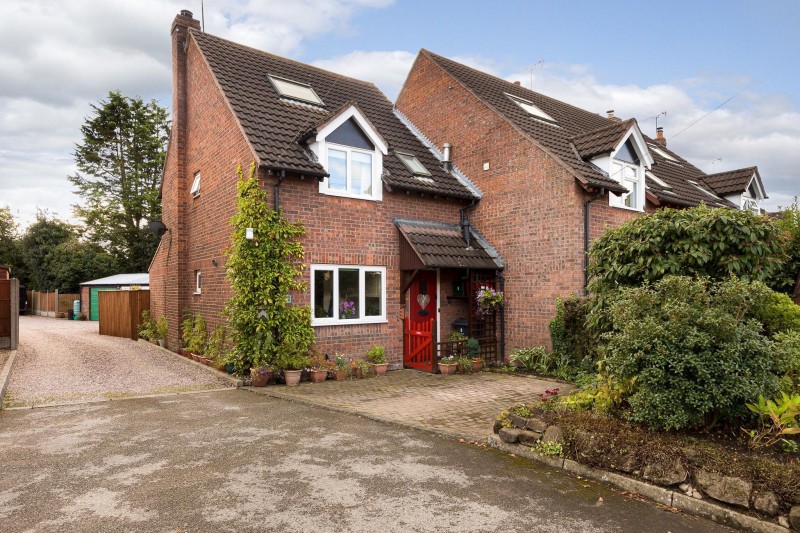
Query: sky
639	59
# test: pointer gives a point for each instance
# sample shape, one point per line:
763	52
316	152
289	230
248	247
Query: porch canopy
428	245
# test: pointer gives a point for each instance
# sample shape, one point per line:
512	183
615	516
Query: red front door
419	328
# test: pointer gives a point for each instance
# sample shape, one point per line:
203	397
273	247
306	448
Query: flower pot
260	379
318	376
196	357
229	368
447	369
477	364
161	342
292	377
380	369
357	373
339	375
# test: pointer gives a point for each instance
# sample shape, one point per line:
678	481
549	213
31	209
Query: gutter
586	209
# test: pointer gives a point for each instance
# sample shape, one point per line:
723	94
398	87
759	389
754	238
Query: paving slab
457	405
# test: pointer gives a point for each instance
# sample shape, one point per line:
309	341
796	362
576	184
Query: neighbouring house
388	252
552	178
469	182
90	301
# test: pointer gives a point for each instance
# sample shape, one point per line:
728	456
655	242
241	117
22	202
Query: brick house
468	182
553	177
382	210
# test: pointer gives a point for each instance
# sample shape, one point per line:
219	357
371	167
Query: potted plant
291	361
162	330
361	369
341	367
448	365
489	301
376	356
474	353
199	338
319	367
261	375
187	334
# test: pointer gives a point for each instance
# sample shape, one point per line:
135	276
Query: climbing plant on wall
262	271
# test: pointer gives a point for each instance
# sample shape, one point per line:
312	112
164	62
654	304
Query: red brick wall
532	208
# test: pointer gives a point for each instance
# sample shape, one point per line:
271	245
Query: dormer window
352	153
627	165
295	90
531	108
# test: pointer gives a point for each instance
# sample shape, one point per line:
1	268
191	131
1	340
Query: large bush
692	351
700	241
572	342
787	279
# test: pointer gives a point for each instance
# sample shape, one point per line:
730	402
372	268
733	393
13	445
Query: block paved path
462	406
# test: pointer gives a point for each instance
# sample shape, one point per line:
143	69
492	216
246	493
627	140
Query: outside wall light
248	234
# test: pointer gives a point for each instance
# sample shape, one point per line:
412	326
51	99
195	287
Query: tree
73	262
266	328
788	279
9	250
39	240
120	162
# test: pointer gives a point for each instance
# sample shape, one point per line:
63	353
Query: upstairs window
195	190
626	168
412	163
352	154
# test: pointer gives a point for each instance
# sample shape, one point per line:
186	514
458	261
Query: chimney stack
612	117
660	139
517	82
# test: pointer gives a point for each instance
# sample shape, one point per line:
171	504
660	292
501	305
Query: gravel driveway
68	361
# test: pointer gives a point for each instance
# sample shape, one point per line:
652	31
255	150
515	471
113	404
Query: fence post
56	304
14	313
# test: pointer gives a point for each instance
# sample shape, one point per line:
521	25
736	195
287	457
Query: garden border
666	497
237	382
5	376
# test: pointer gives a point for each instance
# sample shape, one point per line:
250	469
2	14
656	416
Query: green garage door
94	301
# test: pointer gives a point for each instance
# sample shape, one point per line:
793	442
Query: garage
118	282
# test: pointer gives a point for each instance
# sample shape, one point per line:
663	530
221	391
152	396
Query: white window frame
619	201
320	148
195	190
198	282
645	163
348	191
335	320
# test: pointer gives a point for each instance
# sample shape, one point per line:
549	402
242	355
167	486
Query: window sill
345	194
196	293
626	208
319	322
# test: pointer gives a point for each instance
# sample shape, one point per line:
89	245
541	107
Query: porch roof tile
441	245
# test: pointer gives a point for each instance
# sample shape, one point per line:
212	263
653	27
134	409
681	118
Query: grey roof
441	245
731	181
120	279
276	127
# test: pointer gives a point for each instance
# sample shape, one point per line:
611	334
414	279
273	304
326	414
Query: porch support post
404	285
502	283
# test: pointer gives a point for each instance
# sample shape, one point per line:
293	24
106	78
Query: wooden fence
9	313
53	304
121	312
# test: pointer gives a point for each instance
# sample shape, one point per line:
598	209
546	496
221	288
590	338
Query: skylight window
658	180
699	188
662	153
295	90
413	164
530	108
425	180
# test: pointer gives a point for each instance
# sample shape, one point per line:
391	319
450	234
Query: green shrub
217	343
570	338
776	311
691	352
473	348
788	221
700	241
532	359
197	343
147	329
162	327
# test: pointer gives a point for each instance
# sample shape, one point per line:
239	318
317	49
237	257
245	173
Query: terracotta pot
447	369
260	379
196	357
339	375
292	377
357	373
318	376
476	365
380	370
